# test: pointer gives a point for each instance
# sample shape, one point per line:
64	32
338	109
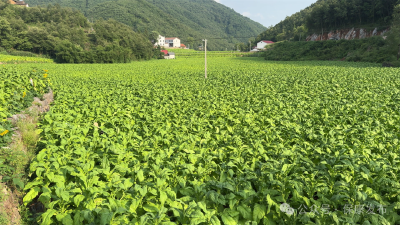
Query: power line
224	38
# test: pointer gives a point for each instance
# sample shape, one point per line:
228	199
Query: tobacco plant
156	143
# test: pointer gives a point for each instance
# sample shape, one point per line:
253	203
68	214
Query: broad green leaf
215	221
140	175
150	207
46	217
45	198
245	212
227	220
31	195
163	197
78	199
259	212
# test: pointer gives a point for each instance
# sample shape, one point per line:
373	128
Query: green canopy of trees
393	38
66	35
376	49
189	20
325	15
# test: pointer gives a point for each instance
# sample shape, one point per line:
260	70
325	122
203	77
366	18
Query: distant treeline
365	50
66	35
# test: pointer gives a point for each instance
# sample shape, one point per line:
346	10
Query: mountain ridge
183	18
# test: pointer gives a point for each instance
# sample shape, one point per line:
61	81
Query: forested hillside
66	35
189	20
376	49
325	15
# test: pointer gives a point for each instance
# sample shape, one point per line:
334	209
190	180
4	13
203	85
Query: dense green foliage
17	90
67	36
393	38
172	18
373	49
331	15
142	144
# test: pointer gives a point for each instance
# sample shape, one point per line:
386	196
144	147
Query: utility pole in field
205	56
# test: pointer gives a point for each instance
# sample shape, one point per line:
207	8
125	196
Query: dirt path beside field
10	197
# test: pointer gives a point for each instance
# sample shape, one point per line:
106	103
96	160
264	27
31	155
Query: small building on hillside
16	2
168	55
171	55
183	46
255	49
261	45
160	41
172	42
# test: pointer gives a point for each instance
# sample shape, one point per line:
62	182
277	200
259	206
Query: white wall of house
172	42
261	45
169	57
160	41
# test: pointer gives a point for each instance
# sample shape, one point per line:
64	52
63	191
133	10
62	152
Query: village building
168	55
160	41
183	46
255	49
172	42
261	45
171	55
16	2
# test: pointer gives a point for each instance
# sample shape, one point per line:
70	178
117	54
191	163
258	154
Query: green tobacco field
156	143
6	59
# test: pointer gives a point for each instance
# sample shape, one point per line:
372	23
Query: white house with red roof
261	45
172	42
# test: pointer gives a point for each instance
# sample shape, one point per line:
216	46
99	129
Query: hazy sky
267	12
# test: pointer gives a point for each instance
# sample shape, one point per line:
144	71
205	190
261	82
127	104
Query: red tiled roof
17	2
165	52
268	42
171	38
182	45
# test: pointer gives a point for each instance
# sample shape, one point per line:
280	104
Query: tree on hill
394	35
66	35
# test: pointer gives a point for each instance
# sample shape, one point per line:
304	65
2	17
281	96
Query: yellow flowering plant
4	133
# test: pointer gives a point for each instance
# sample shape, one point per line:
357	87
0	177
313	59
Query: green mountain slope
181	18
325	15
